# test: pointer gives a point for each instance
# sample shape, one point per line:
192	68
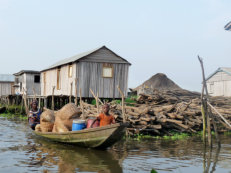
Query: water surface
23	151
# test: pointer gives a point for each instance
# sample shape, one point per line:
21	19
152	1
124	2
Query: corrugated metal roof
6	78
227	70
228	26
26	71
77	57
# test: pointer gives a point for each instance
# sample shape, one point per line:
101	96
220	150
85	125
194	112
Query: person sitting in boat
105	118
34	115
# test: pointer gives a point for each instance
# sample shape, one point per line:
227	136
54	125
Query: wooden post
208	111
97	103
95	96
70	93
96	99
39	105
45	102
219	114
81	103
203	114
52	101
76	92
34	93
25	101
123	110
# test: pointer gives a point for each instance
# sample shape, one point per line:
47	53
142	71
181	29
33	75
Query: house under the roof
100	70
29	80
6	84
219	82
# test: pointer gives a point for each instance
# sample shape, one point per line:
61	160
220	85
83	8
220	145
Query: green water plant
153	171
13	116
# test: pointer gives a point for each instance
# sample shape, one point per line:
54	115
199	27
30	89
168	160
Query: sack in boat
69	111
47	116
38	128
46	126
59	126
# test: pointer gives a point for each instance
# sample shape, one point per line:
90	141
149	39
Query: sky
155	36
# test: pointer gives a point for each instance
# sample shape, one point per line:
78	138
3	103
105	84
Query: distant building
219	83
29	80
6	84
100	70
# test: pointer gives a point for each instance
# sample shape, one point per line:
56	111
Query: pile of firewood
166	111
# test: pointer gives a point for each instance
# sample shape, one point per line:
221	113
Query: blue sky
155	36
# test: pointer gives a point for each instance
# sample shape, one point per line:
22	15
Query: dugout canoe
99	137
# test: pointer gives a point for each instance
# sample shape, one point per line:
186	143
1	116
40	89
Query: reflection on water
22	151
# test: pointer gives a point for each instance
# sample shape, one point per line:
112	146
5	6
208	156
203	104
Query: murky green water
22	151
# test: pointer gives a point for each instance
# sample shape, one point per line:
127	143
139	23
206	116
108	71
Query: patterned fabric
34	118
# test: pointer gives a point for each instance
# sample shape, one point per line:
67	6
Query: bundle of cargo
47	120
64	118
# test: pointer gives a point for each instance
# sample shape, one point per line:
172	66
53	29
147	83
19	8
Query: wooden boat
99	137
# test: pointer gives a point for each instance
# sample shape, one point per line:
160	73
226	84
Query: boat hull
99	137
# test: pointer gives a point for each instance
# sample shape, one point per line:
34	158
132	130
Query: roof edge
95	50
220	69
26	71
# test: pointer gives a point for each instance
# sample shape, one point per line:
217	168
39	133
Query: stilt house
6	84
219	83
100	70
29	80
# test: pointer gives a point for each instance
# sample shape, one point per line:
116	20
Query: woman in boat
104	117
34	115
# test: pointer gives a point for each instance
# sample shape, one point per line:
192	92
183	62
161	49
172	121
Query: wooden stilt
52	102
76	92
70	93
123	106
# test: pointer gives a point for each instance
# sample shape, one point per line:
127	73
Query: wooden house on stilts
6	84
100	70
29	80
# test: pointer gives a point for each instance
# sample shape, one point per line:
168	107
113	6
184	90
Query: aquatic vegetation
227	133
172	136
12	116
153	171
176	136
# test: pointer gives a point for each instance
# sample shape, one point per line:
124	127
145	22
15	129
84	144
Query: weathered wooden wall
21	79
27	80
219	84
90	76
51	80
30	84
104	55
6	88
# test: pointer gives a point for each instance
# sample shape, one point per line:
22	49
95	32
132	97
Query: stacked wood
166	111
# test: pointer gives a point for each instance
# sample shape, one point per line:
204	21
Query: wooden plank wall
90	76
5	88
104	55
220	84
21	78
30	84
51	80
